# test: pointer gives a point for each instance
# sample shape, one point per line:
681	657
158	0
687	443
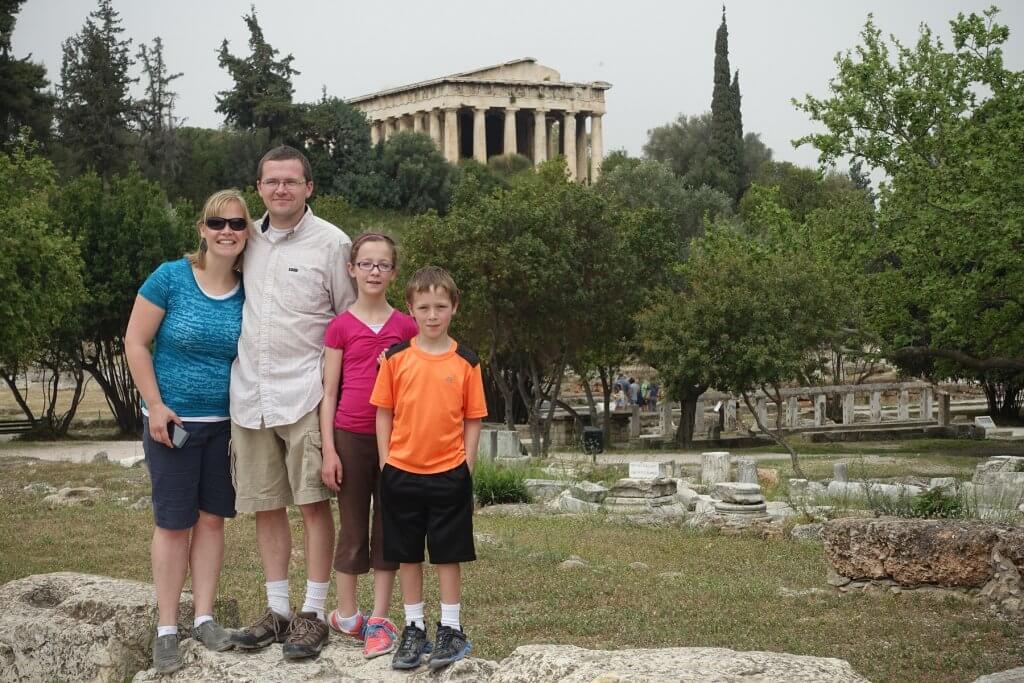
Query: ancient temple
517	107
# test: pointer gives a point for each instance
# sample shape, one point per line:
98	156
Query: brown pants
355	551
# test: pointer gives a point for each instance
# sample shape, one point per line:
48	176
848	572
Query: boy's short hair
285	153
428	278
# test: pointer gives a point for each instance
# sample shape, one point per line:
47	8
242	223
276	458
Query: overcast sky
658	56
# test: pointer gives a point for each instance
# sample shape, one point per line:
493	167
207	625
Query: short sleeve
474	402
334	336
383	395
343	289
157	287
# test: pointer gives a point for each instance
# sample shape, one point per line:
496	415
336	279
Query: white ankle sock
316	598
202	619
167	630
414	615
450	615
348	623
277	598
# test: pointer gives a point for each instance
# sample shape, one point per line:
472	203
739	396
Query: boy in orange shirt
430	399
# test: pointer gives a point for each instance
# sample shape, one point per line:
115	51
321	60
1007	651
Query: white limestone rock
72	496
570	664
544	489
565	502
738	492
589	491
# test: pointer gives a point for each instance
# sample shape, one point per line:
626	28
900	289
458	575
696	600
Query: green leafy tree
534	263
418	178
747	317
262	94
23	97
946	126
124	233
684	145
40	281
336	138
94	108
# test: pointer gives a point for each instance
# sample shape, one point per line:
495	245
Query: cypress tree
744	172
23	97
724	154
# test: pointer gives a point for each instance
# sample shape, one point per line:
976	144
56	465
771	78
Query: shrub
937	503
494	485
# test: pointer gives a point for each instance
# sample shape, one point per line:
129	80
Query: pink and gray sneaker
359	632
381	637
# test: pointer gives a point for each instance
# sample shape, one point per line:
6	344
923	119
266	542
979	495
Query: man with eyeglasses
295	283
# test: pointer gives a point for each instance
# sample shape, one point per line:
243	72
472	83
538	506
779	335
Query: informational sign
646	470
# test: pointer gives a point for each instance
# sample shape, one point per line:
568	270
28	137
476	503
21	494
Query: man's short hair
285	153
428	278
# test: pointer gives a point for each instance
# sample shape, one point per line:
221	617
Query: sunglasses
218	223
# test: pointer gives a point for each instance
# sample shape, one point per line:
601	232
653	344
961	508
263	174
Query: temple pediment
525	69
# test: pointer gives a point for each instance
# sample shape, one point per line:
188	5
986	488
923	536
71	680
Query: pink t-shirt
360	347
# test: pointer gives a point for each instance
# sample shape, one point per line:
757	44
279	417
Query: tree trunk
20	398
533	409
688	395
776	434
109	367
606	373
555	391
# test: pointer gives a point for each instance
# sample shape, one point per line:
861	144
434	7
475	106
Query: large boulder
79	627
913	552
569	664
341	660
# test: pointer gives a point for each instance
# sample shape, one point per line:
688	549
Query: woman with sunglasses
192	309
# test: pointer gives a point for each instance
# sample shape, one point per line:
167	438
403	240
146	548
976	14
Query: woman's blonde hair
215	203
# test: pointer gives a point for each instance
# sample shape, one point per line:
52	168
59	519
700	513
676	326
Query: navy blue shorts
196	477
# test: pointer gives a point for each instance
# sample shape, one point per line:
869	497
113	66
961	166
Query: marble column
374	133
389	128
434	124
405	123
479	135
552	139
510	145
596	146
944	410
699	427
730	414
761	406
569	142
926	404
793	412
903	407
876	406
849	399
540	136
451	135
581	148
417	122
819	410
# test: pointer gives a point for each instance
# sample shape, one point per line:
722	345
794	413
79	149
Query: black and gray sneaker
166	657
269	628
450	645
213	636
307	635
411	648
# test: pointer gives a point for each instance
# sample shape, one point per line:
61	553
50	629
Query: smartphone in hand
179	437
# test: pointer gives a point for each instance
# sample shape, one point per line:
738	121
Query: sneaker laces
300	627
268	620
408	637
444	638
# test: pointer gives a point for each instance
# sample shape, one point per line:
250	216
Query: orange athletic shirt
431	396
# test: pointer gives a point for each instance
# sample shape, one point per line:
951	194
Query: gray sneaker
215	638
166	657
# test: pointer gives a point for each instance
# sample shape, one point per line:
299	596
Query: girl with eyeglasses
192	309
354	341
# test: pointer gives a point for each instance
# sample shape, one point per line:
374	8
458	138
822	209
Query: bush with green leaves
494	485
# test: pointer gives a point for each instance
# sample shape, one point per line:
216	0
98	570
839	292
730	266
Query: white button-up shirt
294	286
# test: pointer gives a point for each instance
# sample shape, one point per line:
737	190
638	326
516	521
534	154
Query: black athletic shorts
438	507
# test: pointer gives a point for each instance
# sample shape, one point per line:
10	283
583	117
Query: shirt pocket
303	289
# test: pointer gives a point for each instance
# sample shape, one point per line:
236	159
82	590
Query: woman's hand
330	471
159	417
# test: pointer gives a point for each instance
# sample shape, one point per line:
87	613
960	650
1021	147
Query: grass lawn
700	590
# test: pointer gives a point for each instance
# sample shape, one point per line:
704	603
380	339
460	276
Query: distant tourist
351	467
192	309
296	283
634	391
430	400
652	396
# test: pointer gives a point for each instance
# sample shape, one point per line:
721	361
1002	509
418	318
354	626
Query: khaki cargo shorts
274	467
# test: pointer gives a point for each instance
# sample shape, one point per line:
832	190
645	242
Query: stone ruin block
507	444
487	449
588	491
738	492
544	489
642	488
714	467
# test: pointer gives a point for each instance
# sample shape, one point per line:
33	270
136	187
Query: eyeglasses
383	266
287	183
218	223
